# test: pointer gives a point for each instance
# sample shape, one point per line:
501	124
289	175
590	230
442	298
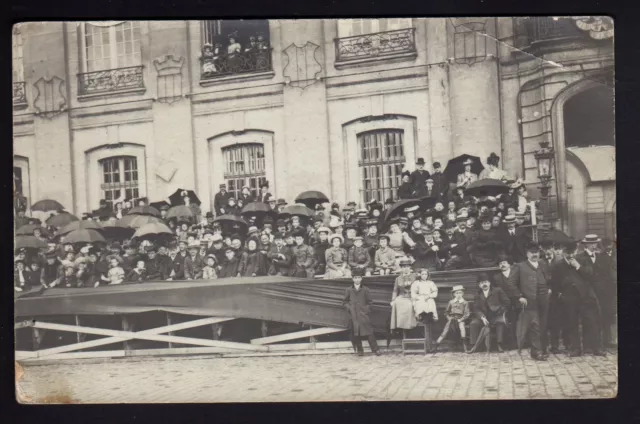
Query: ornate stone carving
49	99
302	68
469	40
169	72
598	27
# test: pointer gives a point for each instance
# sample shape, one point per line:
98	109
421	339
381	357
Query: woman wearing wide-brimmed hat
466	177
336	257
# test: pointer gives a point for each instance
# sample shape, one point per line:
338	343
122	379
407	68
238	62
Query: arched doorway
584	139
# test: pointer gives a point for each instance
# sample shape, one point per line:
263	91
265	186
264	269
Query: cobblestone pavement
334	377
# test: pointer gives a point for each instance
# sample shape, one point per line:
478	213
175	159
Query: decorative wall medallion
598	27
469	40
49	98
169	78
302	68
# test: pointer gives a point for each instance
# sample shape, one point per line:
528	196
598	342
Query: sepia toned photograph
314	210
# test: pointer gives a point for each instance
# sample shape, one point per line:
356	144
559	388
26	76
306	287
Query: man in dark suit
440	183
220	200
529	283
513	240
489	308
264	194
405	191
556	319
574	278
604	283
280	256
419	176
501	279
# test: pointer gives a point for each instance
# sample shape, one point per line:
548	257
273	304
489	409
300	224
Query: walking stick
520	331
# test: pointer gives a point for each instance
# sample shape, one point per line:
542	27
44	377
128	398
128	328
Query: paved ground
322	378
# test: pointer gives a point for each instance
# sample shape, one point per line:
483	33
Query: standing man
440	183
358	301
264	192
405	191
513	240
574	278
604	283
529	284
419	177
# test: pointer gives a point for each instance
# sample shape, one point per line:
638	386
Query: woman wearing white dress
492	170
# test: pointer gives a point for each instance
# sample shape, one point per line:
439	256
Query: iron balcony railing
19	93
375	45
111	80
253	61
542	29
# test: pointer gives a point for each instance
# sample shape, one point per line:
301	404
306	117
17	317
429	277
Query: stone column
306	137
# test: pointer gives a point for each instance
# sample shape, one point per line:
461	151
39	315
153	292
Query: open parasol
255	209
486	187
230	219
427	202
84	236
398	207
61	219
115	230
180	212
160	204
46	205
140	220
455	167
555	236
76	225
152	229
28	229
297	209
312	198
29	242
176	198
144	210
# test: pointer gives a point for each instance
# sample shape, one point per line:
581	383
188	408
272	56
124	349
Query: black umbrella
255	209
76	225
47	205
230	223
483	336
116	230
84	236
176	198
312	198
297	210
427	202
61	219
160	204
554	236
398	207
144	210
487	187
29	242
455	167
28	229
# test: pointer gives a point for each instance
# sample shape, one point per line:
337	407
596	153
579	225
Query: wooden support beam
296	335
126	326
168	315
152	334
23	324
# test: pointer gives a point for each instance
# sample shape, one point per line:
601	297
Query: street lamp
544	159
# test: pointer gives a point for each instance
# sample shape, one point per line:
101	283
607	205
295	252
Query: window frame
377	26
122	185
113	46
17	61
384	160
252	175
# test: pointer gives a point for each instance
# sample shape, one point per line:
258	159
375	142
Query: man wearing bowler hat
440	183
419	176
529	283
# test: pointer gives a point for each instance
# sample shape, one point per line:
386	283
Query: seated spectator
336	258
385	257
253	262
230	266
115	275
280	255
209	270
20	276
359	257
489	308
138	274
67	279
193	263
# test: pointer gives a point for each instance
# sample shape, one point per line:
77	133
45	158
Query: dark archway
588	118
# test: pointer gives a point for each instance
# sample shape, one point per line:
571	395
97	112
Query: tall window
17	180
112	47
244	165
16	55
353	27
119	178
381	162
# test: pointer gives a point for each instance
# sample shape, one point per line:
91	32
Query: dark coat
220	202
135	277
358	304
484	248
440	185
158	268
496	303
570	282
419	179
405	191
177	266
514	246
320	257
524	279
193	267
279	264
425	256
229	268
254	262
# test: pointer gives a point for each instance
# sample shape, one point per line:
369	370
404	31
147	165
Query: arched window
381	158
119	179
244	165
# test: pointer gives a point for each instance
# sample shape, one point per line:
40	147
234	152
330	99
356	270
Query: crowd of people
433	225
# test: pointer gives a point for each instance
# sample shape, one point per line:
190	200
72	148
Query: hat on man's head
429	180
352	204
299	232
267	220
279	235
323	230
372	222
436	165
509	219
194	245
532	246
389	201
223	186
591	238
280	223
281	202
209	215
335	205
150	248
53	255
462	217
164	208
420	161
403	220
358	238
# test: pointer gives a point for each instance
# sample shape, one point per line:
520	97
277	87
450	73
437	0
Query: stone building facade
106	110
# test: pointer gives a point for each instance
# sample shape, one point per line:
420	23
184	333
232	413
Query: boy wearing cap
280	256
385	257
457	312
358	301
359	257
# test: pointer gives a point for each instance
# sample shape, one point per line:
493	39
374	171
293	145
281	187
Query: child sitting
115	275
137	274
67	279
385	257
457	312
209	270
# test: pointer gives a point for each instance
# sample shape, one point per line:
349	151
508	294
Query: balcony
127	80
19	94
245	64
376	46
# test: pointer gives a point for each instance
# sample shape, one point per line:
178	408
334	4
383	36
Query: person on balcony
233	47
208	60
492	170
466	177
